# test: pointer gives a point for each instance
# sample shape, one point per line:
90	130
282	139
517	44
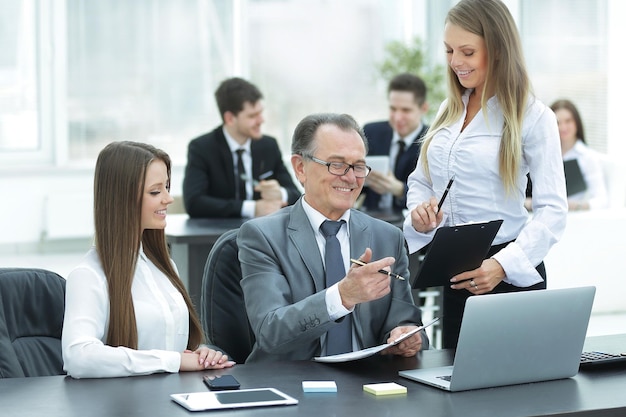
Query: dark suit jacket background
209	183
379	136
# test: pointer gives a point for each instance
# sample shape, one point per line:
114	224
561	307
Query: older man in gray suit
295	309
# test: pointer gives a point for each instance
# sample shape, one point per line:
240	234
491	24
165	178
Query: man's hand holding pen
365	283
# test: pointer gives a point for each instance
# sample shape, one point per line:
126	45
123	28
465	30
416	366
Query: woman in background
127	311
574	146
489	133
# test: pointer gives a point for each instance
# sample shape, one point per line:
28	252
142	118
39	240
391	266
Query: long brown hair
569	106
119	182
507	77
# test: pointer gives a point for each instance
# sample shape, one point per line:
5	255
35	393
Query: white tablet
215	400
378	163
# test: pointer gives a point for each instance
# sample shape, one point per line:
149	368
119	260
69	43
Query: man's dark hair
233	93
410	83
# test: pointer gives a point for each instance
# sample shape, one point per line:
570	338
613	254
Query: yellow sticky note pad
386	388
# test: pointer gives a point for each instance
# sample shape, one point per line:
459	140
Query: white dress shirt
478	193
162	323
386	199
591	168
249	205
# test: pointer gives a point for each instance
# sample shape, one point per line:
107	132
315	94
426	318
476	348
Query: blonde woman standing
489	133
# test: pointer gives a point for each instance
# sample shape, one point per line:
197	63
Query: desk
590	393
190	241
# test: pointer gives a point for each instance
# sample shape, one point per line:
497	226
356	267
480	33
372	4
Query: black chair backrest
222	308
32	304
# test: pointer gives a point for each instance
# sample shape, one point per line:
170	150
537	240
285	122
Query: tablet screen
214	400
245	396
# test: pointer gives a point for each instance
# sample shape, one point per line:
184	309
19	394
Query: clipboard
574	180
455	249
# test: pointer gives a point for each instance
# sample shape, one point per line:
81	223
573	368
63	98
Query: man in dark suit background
399	138
235	170
303	296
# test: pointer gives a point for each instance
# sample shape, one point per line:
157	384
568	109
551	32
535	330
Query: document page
364	353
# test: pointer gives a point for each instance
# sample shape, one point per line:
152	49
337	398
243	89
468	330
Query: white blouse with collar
591	167
162	323
478	194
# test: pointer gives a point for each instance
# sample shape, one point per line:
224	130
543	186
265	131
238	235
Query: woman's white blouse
162	323
478	194
591	168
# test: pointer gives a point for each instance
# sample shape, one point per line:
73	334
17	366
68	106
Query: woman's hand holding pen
426	216
480	280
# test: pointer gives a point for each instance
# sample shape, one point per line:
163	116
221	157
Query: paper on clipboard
364	353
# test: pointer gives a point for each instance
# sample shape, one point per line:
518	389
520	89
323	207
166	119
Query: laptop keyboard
597	358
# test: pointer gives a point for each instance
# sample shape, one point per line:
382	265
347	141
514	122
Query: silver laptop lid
521	337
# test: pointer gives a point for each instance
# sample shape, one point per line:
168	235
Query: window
565	44
144	70
19	97
77	74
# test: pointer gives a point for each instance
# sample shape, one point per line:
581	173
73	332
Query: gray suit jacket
283	284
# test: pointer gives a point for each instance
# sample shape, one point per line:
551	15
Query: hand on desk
271	198
480	280
408	347
204	358
269	190
384	183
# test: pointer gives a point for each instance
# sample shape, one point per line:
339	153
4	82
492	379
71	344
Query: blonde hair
118	186
506	76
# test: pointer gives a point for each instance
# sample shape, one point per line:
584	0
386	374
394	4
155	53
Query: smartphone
221	383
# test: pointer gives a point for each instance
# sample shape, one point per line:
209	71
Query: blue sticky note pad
319	386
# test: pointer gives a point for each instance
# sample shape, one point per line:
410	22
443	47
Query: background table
590	393
190	242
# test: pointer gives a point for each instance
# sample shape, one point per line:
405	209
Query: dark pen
382	271
445	194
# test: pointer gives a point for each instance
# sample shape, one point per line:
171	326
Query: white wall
23	209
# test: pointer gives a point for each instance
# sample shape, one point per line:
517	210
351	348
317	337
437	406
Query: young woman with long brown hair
127	311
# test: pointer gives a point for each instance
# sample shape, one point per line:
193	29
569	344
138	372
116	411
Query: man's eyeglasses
342	168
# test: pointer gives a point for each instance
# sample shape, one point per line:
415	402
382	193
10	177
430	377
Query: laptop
515	338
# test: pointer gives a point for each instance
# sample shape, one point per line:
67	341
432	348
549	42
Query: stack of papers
364	353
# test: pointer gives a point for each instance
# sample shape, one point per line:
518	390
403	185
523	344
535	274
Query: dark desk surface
590	393
182	229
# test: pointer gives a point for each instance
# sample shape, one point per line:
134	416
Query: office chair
32	304
222	308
